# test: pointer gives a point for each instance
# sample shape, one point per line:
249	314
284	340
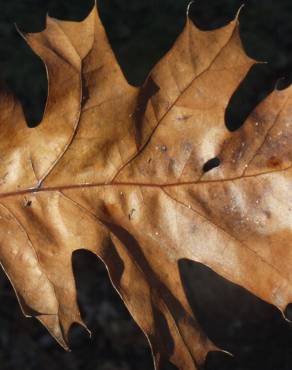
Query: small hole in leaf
212	163
27	203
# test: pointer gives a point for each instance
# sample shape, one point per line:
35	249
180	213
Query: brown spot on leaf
131	214
184	117
274	162
27	203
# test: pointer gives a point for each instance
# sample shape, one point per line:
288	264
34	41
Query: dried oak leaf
122	171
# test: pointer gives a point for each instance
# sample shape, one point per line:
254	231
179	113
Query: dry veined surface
144	177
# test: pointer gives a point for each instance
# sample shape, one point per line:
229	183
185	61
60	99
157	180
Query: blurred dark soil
140	33
116	343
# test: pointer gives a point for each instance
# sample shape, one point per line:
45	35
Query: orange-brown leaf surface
122	172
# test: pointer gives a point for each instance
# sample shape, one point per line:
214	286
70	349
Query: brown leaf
144	177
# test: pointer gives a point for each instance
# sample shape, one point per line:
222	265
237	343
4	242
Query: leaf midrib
37	189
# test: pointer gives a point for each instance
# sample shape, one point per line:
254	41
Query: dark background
141	32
